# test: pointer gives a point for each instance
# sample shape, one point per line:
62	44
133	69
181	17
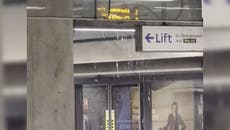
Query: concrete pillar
2	115
2	121
50	91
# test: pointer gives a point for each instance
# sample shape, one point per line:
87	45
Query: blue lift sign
170	38
159	38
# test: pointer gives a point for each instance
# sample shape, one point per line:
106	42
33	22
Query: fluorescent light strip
140	72
35	8
17	91
177	8
103	30
184	89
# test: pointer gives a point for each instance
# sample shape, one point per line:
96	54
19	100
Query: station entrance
139	102
118	87
105	106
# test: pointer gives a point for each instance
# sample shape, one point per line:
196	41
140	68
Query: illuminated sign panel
165	38
113	119
107	120
118	13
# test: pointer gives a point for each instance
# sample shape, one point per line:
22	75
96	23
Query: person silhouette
175	121
86	121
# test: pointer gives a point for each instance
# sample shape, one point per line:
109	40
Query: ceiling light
17	91
35	8
103	30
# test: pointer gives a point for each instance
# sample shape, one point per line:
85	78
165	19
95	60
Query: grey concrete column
50	89
2	115
2	122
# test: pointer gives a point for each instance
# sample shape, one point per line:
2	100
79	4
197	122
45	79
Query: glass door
126	106
107	107
91	105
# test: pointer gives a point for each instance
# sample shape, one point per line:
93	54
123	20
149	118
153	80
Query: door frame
79	102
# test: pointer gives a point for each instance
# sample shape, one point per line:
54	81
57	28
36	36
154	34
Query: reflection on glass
174	119
177	105
139	9
159	9
94	106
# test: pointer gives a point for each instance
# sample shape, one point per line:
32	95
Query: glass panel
177	105
94	107
139	9
102	36
126	103
160	9
84	8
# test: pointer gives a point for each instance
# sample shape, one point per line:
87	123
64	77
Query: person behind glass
175	121
86	121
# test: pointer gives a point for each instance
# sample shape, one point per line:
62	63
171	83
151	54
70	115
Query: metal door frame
79	99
